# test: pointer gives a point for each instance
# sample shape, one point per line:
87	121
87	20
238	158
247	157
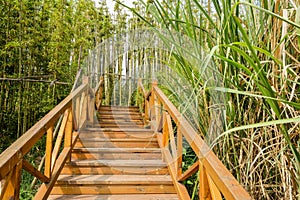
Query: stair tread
127	150
116	197
95	129
153	139
115	179
119	163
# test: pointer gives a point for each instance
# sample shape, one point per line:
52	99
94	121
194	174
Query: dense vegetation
42	44
254	46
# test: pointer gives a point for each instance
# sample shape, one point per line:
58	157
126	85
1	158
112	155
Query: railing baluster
68	133
179	151
77	112
49	144
204	192
59	138
165	138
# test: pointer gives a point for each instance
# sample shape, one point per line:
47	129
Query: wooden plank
97	129
116	197
12	155
117	150
119	163
106	134
121	113
115	179
49	143
121	170
34	172
117	144
116	156
113	189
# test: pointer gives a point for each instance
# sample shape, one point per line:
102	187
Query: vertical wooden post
49	143
165	137
76	112
153	106
204	192
68	133
11	189
179	150
159	119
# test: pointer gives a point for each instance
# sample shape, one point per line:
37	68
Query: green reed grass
244	44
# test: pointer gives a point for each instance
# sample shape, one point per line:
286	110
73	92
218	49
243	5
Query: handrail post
68	133
153	106
49	144
179	150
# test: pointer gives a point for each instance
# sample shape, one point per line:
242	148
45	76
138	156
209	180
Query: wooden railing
215	181
68	118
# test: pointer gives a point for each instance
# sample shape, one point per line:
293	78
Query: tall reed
253	47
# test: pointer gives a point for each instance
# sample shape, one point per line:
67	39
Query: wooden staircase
115	159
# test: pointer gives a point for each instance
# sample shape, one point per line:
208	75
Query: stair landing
116	159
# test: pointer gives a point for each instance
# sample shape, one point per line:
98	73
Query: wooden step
126	113
115	179
71	169
115	167
116	197
120	135
116	129
121	125
120	119
112	189
119	108
113	184
116	153
116	142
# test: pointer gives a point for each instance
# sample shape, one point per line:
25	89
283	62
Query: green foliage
42	43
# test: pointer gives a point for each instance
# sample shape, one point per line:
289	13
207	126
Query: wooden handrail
214	177
76	109
11	156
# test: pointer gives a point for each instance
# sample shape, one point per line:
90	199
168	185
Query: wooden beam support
34	172
189	172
